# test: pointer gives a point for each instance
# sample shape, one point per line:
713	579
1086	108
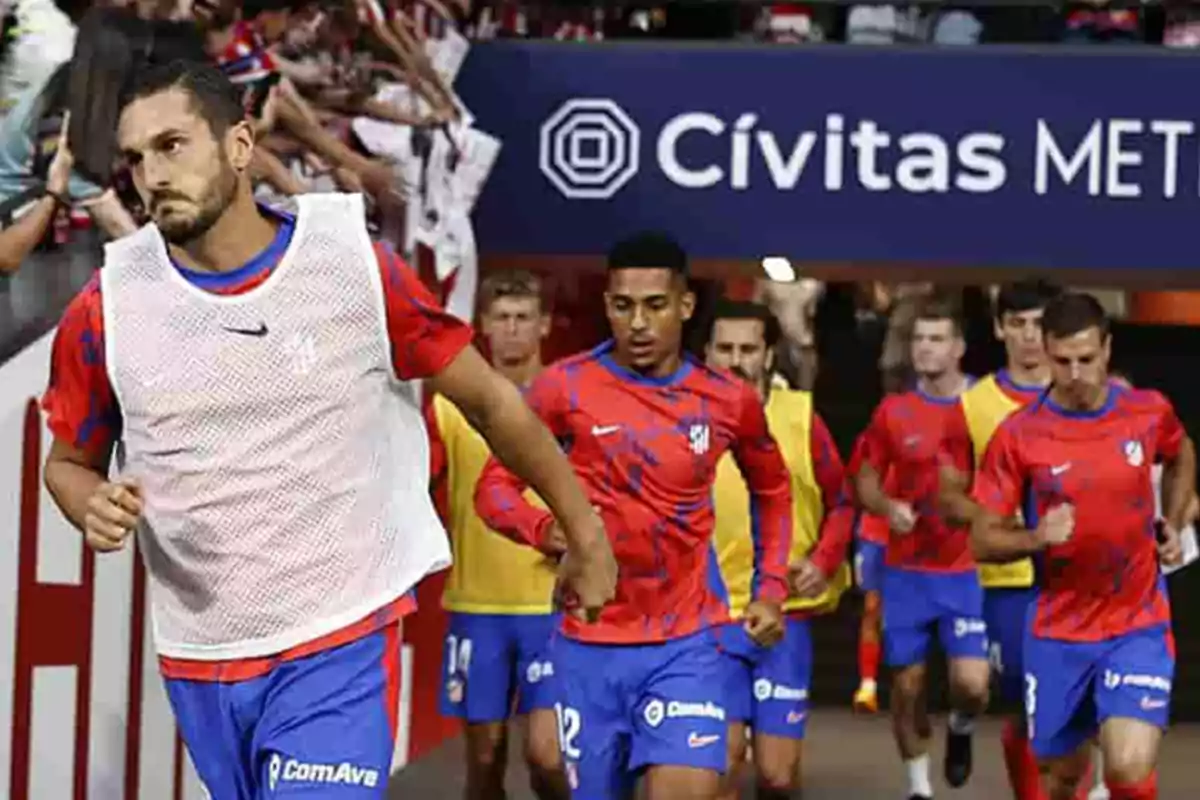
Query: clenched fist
113	512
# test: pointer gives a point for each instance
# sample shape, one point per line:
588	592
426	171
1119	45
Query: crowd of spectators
358	94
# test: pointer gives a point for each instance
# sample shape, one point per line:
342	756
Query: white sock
1099	788
868	685
918	776
960	723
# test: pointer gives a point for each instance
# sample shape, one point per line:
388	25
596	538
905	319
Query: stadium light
779	269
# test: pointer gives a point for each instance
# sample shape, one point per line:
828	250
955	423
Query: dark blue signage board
953	157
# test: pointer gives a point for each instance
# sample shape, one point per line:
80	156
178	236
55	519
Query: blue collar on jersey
603	354
265	261
1005	379
968	382
1115	390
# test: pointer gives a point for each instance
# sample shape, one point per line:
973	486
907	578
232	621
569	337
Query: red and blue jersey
868	527
82	409
902	444
1105	580
646	450
246	59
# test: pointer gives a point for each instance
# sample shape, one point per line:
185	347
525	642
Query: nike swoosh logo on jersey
604	430
1060	469
261	330
695	740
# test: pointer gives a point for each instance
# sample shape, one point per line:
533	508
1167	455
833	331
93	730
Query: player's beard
219	196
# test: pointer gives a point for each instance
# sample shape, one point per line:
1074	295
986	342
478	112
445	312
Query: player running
500	628
259	371
929	581
1008	588
768	687
645	427
1100	654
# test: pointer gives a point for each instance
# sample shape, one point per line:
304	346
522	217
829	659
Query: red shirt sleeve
424	337
79	402
956	450
766	475
1000	481
837	526
875	444
1170	432
499	495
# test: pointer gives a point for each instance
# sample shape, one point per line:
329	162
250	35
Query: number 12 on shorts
1031	685
569	723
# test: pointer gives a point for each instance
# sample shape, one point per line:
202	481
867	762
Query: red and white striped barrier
87	715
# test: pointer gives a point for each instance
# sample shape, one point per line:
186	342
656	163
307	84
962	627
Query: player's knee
777	775
1062	777
972	682
907	686
543	757
1129	763
486	748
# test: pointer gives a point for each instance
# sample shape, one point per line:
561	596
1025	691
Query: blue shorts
868	565
490	659
770	693
628	707
319	726
917	604
1006	613
1071	688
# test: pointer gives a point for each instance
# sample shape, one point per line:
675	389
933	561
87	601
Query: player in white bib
257	375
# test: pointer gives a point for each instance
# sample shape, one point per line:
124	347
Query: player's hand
588	570
59	173
1056	525
901	516
554	541
1170	546
113	512
806	580
764	623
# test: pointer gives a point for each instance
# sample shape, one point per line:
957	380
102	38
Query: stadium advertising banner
939	156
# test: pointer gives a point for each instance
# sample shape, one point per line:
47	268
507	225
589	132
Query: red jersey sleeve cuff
772	589
832	548
540	523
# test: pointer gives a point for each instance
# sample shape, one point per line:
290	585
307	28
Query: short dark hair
745	309
1072	313
252	8
1026	295
214	96
938	306
509	283
648	250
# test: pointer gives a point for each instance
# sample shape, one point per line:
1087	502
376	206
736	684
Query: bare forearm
1179	485
522	443
998	541
19	239
868	489
71	485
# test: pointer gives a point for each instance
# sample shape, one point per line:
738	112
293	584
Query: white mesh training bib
285	468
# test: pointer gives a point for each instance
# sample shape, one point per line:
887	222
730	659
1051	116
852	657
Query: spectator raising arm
19	240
